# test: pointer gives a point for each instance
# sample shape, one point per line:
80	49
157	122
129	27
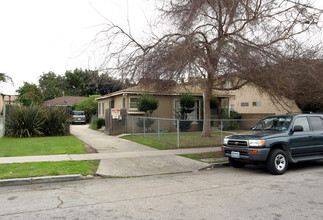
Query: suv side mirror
298	128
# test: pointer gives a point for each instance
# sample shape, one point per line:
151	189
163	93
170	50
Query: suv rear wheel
277	162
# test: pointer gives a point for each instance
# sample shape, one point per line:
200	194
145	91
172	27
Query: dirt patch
89	149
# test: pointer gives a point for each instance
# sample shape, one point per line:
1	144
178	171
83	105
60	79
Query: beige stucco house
250	100
246	100
6	99
168	101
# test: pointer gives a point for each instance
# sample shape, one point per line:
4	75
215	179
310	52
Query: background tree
30	94
89	105
297	79
211	40
52	85
78	83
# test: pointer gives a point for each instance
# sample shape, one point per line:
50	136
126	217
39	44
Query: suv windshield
280	123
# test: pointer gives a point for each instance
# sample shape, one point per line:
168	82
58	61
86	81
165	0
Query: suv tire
277	162
235	163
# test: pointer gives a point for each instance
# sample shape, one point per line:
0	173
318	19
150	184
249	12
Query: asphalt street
221	193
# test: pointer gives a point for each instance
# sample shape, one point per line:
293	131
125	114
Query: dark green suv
277	141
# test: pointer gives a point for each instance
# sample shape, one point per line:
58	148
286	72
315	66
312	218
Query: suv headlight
256	143
225	141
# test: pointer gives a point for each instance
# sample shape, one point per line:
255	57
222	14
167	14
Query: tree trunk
207	110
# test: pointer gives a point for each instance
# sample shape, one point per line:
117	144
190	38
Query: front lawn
10	147
169	140
35	169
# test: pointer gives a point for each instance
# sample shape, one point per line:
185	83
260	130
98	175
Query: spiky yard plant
25	121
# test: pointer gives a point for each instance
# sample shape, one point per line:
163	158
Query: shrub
97	123
57	122
148	123
147	103
35	121
230	125
25	121
187	103
185	125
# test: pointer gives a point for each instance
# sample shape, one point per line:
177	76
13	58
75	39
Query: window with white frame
244	104
133	102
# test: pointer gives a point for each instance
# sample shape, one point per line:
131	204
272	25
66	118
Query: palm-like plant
5	78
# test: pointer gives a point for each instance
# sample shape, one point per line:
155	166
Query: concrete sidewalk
123	158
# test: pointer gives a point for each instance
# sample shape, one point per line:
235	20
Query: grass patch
10	147
36	169
169	140
201	156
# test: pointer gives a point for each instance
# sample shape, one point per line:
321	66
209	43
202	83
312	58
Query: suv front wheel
277	162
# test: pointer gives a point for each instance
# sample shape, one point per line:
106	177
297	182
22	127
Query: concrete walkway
123	158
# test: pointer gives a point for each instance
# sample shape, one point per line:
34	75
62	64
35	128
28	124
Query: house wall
265	104
1	103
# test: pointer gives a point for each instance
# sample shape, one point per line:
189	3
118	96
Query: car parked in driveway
277	141
78	117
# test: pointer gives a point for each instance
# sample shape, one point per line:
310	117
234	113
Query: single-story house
64	101
248	101
168	101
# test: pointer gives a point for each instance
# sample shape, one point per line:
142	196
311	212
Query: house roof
172	91
64	101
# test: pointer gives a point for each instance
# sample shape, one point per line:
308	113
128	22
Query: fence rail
185	133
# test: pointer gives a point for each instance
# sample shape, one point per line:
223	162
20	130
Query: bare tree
211	41
299	79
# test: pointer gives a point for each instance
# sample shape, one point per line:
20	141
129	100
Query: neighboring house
250	100
6	99
64	101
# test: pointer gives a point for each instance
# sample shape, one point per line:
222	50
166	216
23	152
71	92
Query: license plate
235	154
79	119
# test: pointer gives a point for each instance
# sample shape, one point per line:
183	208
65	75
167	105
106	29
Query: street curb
43	179
216	165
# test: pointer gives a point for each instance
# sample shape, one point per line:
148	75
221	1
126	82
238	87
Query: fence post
4	120
158	130
221	132
144	128
133	126
177	132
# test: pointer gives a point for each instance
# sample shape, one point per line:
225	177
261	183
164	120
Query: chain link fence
185	133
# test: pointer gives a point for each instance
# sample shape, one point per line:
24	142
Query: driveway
140	160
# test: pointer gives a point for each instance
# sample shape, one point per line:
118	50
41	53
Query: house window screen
133	103
256	104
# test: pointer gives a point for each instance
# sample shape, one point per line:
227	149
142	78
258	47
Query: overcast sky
38	36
